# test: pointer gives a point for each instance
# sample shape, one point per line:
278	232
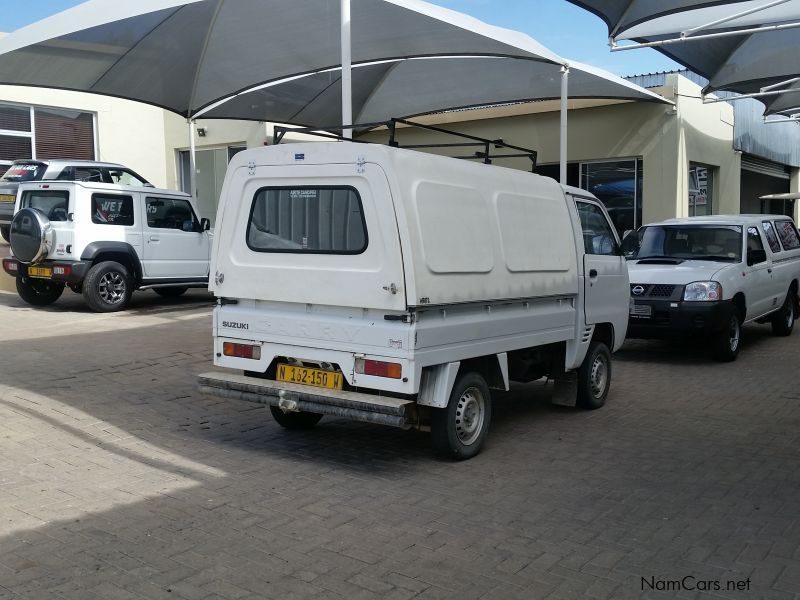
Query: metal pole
564	111
347	71
193	158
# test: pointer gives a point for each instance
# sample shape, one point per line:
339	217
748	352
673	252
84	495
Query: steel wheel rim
112	288
790	314
733	334
470	414
599	376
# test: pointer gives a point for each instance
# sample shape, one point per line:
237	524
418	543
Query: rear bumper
680	318
356	406
77	270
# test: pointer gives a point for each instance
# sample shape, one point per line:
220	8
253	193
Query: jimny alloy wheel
112	287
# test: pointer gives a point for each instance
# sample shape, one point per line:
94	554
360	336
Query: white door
174	244
763	296
607	292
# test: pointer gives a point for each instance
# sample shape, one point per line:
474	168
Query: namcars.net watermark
690	583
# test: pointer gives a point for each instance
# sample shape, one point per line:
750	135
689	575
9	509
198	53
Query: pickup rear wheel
294	420
107	287
783	319
594	377
459	430
39	292
726	343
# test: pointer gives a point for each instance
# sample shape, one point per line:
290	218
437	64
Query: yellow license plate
307	376
41	272
7	198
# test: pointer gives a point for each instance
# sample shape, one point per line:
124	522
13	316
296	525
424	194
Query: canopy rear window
307	220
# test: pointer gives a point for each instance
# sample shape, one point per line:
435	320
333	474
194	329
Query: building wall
129	133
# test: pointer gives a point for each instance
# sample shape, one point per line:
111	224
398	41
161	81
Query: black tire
783	320
171	292
459	430
726	343
107	287
39	292
294	420
5	232
594	377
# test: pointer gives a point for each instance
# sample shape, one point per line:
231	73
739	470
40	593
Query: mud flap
565	390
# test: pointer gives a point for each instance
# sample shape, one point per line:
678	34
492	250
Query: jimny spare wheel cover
31	235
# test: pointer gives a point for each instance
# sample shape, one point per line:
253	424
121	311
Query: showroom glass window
28	132
618	185
701	189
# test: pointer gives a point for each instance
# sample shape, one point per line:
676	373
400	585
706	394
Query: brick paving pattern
118	481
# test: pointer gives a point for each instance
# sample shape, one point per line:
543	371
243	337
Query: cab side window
597	233
169	213
754	243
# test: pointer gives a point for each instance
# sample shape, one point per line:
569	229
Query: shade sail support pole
347	70
753	95
733	17
564	114
193	158
707	36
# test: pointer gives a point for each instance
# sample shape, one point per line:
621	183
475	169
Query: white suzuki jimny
105	241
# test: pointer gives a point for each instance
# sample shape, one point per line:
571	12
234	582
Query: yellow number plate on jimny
306	376
42	272
7	198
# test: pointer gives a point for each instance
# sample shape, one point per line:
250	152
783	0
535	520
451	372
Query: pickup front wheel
726	343
107	287
783	319
459	430
594	377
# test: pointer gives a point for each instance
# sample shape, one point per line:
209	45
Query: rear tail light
11	266
377	368
63	270
241	351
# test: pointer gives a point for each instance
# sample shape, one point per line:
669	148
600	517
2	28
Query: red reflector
241	351
63	270
382	369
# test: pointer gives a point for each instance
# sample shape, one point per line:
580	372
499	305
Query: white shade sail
187	56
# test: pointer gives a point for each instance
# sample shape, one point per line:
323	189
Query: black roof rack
487	153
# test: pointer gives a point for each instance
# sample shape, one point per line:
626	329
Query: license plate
41	272
7	198
307	376
641	310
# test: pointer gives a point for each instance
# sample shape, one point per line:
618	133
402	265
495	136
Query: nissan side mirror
205	224
630	243
755	257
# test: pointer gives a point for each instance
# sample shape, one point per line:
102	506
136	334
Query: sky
562	27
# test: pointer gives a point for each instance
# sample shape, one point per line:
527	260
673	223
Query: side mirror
630	243
627	233
755	257
205	225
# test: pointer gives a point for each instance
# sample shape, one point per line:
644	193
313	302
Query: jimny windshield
692	242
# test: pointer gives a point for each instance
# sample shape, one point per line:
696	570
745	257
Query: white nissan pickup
400	288
706	276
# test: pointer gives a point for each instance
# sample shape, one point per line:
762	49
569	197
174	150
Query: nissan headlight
703	291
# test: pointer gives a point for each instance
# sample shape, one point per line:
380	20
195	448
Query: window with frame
54	204
125	177
111	209
701	189
772	237
787	233
754	242
598	238
171	213
307	220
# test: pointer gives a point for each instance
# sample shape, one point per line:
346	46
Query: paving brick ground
118	481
